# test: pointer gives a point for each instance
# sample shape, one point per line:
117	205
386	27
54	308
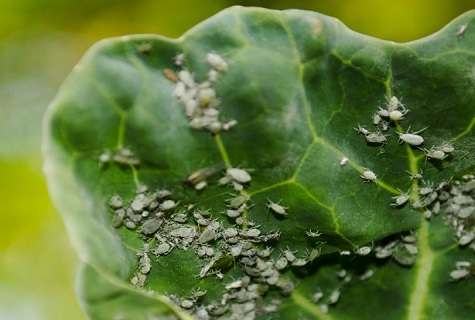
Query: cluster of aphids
166	226
458	203
199	100
123	157
393	113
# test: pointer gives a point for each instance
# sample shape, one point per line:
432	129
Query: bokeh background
40	42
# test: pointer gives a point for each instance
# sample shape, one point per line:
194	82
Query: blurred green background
40	42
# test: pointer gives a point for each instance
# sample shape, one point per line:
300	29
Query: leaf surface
298	84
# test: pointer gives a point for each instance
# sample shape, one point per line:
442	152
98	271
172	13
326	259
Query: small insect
363	251
118	217
281	263
289	255
435	154
404	260
163	249
383	113
376	137
400	199
447	148
412	139
411	248
461	29
151	226
368	274
230	124
415	176
344	161
238	201
126	157
170	75
459	274
368	175
362	130
397	115
425	190
168	205
144	48
105	158
317	296
334	297
116	202
277	208
313	234
216	62
203	173
179	59
239	175
466	238
466	212
376	119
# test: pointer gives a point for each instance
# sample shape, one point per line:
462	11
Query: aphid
151	226
137	205
187	78
179	91
230	124
203	173
170	75
411	248
223	262
463	264
394	103
404	260
126	157
383	253
163	249
118	217
458	274
396	115
376	119
435	154
233	213
289	255
187	304
183	232
281	263
252	233
312	234
447	148
145	263
412	139
345	253
138	280
334	296
239	175
400	199
414	176
130	225
465	212
238	201
206	268
341	273
299	262
436	208
368	274
383	113
201	185
425	190
368	175
466	238
376	137
344	161
317	296
363	251
312	255
208	235
116	202
168	205
105	158
179	59
144	48
216	62
362	130
461	29
277	208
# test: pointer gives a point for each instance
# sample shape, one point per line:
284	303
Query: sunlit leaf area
40	42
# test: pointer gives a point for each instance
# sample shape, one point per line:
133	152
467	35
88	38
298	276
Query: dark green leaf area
306	94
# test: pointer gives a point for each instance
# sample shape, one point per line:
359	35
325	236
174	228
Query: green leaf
298	84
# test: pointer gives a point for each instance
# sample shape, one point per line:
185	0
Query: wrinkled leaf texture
298	84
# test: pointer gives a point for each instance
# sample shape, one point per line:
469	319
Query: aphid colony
199	100
394	112
123	157
457	201
168	226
